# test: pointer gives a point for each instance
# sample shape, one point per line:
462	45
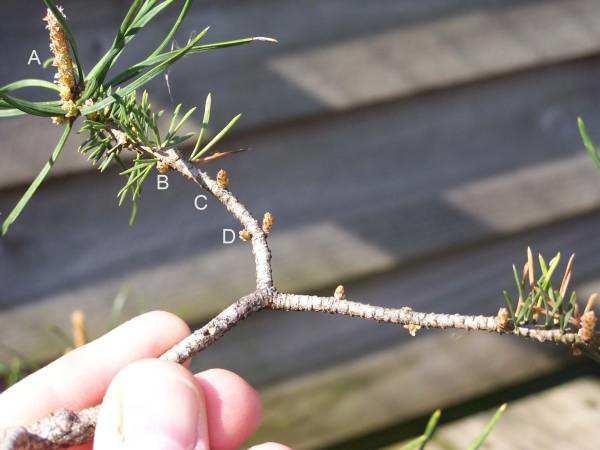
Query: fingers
153	405
270	446
80	378
234	408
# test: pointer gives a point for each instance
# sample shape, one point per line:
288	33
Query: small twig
406	316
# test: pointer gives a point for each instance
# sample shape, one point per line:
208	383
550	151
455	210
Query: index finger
80	378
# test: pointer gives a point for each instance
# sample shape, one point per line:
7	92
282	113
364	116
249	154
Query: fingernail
161	413
156	409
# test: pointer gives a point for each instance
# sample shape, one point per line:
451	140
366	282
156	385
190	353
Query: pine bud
70	108
163	167
245	235
92	116
502	319
587	326
339	293
268	221
412	329
223	179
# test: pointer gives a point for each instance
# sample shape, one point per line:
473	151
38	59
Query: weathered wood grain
380	52
388	387
356	195
442	52
564	417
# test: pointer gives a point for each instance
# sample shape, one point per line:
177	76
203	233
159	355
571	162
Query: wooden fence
410	150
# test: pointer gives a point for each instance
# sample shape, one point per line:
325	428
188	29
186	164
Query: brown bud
502	319
163	167
223	179
339	293
412	329
245	235
268	221
587	326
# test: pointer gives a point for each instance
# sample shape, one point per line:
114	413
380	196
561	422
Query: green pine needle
33	187
204	127
420	442
217	138
587	142
478	442
117	121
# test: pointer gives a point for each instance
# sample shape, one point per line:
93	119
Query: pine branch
67	428
117	122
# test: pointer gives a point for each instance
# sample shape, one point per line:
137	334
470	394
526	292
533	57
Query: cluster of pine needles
115	118
540	302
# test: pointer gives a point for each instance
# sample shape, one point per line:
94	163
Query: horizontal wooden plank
560	418
350	201
445	51
388	387
380	53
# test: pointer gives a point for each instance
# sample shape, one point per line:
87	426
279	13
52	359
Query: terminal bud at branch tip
223	179
590	303
339	293
268	221
245	235
587	326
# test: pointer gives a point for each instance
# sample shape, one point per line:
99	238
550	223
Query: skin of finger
270	446
153	404
80	378
234	408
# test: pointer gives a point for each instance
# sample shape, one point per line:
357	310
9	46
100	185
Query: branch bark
69	428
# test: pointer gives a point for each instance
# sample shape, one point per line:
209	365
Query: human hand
148	404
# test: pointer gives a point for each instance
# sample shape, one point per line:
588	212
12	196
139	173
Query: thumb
152	405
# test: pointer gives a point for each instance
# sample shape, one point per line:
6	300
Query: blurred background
410	150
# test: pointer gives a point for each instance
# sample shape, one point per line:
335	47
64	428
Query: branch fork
69	428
